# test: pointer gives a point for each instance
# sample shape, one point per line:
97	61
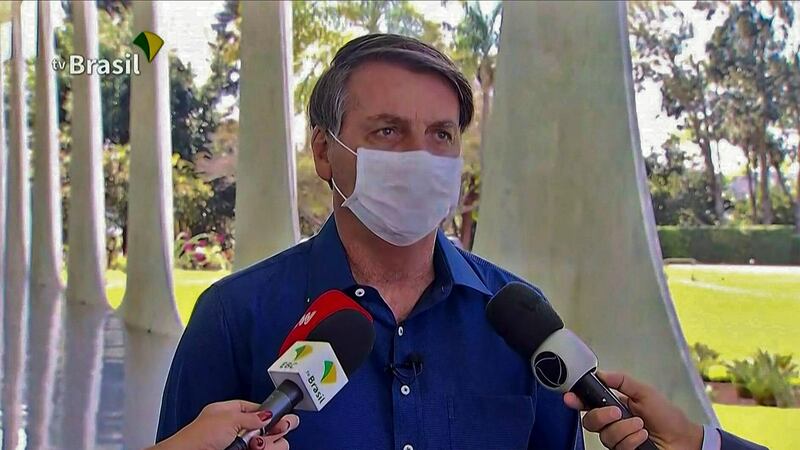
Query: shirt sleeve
555	427
711	438
203	369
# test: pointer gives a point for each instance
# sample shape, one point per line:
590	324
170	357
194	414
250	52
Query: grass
189	284
776	428
735	310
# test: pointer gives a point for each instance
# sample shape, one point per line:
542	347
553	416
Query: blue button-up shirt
471	391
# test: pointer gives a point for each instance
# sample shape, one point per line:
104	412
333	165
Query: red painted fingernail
264	415
260	442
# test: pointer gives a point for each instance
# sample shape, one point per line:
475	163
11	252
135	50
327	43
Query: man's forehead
386	91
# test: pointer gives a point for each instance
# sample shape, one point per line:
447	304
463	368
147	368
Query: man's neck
400	274
374	260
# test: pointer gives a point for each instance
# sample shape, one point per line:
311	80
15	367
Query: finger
615	433
257	443
572	401
287	423
625	400
597	419
281	444
625	384
245	406
252	420
632	441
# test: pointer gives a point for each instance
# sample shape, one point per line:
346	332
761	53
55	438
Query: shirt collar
329	268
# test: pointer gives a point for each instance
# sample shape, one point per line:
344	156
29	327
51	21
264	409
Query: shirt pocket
490	422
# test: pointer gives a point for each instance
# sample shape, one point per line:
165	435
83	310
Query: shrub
704	358
766	378
772	244
202	251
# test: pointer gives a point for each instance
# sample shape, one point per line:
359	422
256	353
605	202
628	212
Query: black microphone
560	360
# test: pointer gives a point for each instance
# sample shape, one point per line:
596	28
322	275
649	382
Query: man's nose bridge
415	138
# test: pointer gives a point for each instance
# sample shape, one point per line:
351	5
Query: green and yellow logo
302	351
150	43
329	374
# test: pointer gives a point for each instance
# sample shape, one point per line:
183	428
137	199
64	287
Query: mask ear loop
333	182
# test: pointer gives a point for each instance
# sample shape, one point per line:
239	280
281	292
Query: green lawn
736	310
776	428
733	309
189	284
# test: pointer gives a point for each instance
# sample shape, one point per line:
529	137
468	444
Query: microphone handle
595	394
281	402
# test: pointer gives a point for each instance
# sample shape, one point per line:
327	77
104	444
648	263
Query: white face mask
402	196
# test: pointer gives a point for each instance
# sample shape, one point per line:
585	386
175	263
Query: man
387	119
668	426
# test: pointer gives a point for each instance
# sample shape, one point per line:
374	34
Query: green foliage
190	198
681	194
116	169
765	377
746	53
313	194
475	41
704	358
775	244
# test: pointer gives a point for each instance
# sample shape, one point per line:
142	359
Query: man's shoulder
731	442
289	263
492	275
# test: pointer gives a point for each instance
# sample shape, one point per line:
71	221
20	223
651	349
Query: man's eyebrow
386	117
443	124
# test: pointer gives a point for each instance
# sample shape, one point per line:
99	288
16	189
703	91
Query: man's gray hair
326	107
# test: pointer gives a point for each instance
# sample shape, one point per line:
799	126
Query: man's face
390	108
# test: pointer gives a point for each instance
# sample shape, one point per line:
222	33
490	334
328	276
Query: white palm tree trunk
152	325
46	291
17	241
86	305
266	198
565	202
3	199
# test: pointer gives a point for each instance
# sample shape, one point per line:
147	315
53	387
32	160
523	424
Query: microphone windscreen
337	319
325	305
351	336
522	317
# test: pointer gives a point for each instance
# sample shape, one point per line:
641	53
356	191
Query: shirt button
360	292
408	447
399	331
404	389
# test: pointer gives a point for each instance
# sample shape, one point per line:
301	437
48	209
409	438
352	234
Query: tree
677	190
475	42
790	105
745	52
190	119
688	94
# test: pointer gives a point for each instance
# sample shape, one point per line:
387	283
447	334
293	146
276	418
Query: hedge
768	244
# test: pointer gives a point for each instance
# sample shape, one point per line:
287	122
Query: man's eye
444	135
386	132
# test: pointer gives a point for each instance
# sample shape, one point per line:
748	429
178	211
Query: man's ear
319	147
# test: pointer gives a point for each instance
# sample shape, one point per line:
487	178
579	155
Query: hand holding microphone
560	360
221	422
669	427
